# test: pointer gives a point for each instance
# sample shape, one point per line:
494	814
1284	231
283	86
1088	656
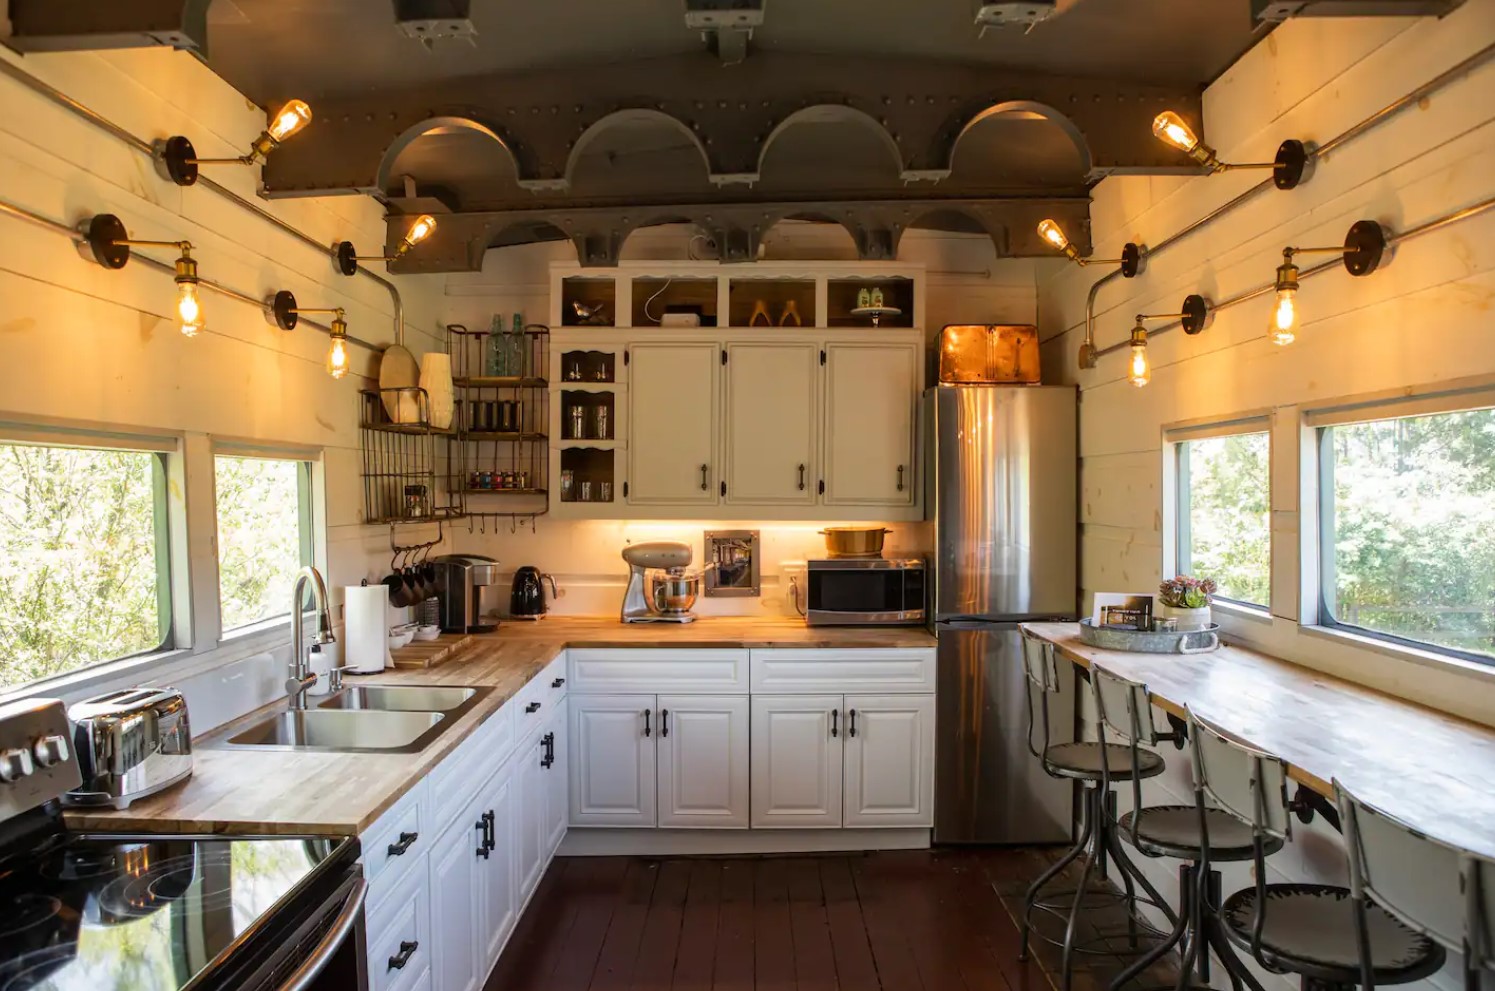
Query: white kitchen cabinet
399	938
796	761
557	780
889	742
456	876
771	396
673	421
612	760
870	395
497	890
703	761
530	822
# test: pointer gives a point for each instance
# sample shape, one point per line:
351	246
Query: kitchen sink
344	730
404	698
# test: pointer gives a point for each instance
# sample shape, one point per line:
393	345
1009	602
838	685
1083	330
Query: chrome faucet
301	677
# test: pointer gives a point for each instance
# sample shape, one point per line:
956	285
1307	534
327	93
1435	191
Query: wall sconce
1363	249
285	314
180	158
1287	168
1193	316
348	257
1131	254
109	244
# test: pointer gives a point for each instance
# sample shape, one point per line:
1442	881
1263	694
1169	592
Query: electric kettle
527	600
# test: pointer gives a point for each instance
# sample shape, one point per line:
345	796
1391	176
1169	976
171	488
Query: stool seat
1310	930
1082	760
1173	831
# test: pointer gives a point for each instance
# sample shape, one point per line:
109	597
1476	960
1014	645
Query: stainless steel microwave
865	591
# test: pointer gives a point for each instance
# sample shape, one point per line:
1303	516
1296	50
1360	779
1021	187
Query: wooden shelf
500	382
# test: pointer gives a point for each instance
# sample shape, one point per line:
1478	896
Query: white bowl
398	640
428	632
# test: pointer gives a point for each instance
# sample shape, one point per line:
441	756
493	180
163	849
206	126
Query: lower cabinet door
557	784
498	889
456	872
612	760
796	765
703	761
529	816
889	760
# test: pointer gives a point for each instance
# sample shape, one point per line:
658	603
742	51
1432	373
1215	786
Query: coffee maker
660	589
467	586
527	597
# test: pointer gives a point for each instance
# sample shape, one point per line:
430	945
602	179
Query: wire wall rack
498	456
401	471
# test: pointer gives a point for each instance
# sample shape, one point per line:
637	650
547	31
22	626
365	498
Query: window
1407	517
1224	514
83	558
264	536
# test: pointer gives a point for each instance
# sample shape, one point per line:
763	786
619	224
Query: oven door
876	591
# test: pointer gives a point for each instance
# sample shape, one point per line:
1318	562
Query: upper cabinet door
703	761
870	394
889	760
796	765
611	760
672	424
770	423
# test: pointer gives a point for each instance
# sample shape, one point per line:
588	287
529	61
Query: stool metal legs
1196	931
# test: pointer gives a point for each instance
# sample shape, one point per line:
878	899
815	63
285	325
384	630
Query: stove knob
50	749
14	764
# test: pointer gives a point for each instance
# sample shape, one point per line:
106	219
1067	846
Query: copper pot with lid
854	541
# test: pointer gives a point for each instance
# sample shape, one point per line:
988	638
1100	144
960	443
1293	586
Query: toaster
130	744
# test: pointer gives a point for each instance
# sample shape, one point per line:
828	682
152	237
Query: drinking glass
568	484
604	491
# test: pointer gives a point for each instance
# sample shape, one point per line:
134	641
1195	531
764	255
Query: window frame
173	611
1317	494
1177	500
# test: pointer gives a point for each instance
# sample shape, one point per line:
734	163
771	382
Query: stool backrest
1434	887
1042	669
1125	707
1247	783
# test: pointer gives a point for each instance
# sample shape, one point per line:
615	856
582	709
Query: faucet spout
301	678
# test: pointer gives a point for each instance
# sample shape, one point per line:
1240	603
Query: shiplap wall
1425	318
966	283
92	347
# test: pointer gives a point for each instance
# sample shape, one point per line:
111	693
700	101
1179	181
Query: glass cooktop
139	913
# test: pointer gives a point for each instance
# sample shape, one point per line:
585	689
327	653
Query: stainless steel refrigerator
1001	474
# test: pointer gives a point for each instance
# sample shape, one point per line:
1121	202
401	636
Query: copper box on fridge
974	353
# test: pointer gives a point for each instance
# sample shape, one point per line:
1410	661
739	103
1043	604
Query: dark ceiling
559	115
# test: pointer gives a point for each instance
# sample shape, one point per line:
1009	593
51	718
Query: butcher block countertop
236	790
1432	770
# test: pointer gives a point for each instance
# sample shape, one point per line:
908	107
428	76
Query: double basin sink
385	719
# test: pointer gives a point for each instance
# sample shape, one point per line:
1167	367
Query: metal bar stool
1306	929
1124	707
1443	891
1094	765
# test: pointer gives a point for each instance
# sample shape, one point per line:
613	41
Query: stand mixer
660	589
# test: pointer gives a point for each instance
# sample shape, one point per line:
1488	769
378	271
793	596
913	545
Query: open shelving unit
400	471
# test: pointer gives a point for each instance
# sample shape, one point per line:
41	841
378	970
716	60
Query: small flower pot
1188	619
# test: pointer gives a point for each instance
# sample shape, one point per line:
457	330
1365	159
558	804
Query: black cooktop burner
139	913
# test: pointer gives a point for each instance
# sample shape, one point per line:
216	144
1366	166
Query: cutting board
421	654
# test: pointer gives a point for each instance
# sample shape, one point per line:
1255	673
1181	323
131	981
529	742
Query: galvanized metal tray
1152	642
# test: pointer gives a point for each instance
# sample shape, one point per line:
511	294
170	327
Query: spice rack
498	456
400	471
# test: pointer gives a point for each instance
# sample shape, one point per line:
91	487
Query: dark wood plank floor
941	920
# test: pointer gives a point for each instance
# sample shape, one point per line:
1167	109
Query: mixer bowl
672	595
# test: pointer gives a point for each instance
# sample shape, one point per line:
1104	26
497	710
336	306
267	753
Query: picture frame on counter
1124	610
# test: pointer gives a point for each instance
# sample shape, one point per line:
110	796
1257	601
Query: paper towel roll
365	628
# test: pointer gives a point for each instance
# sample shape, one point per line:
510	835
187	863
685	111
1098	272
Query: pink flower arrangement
1183	592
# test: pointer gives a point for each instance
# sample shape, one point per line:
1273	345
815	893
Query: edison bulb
188	308
1170	127
1139	373
1050	232
337	356
289	119
424	227
1285	317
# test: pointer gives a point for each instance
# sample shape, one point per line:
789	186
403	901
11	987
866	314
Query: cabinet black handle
704	469
482	828
491	834
900	478
835	725
822	487
406	839
851	718
664	722
407	950
648	730
532	707
801	478
547	743
558	683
